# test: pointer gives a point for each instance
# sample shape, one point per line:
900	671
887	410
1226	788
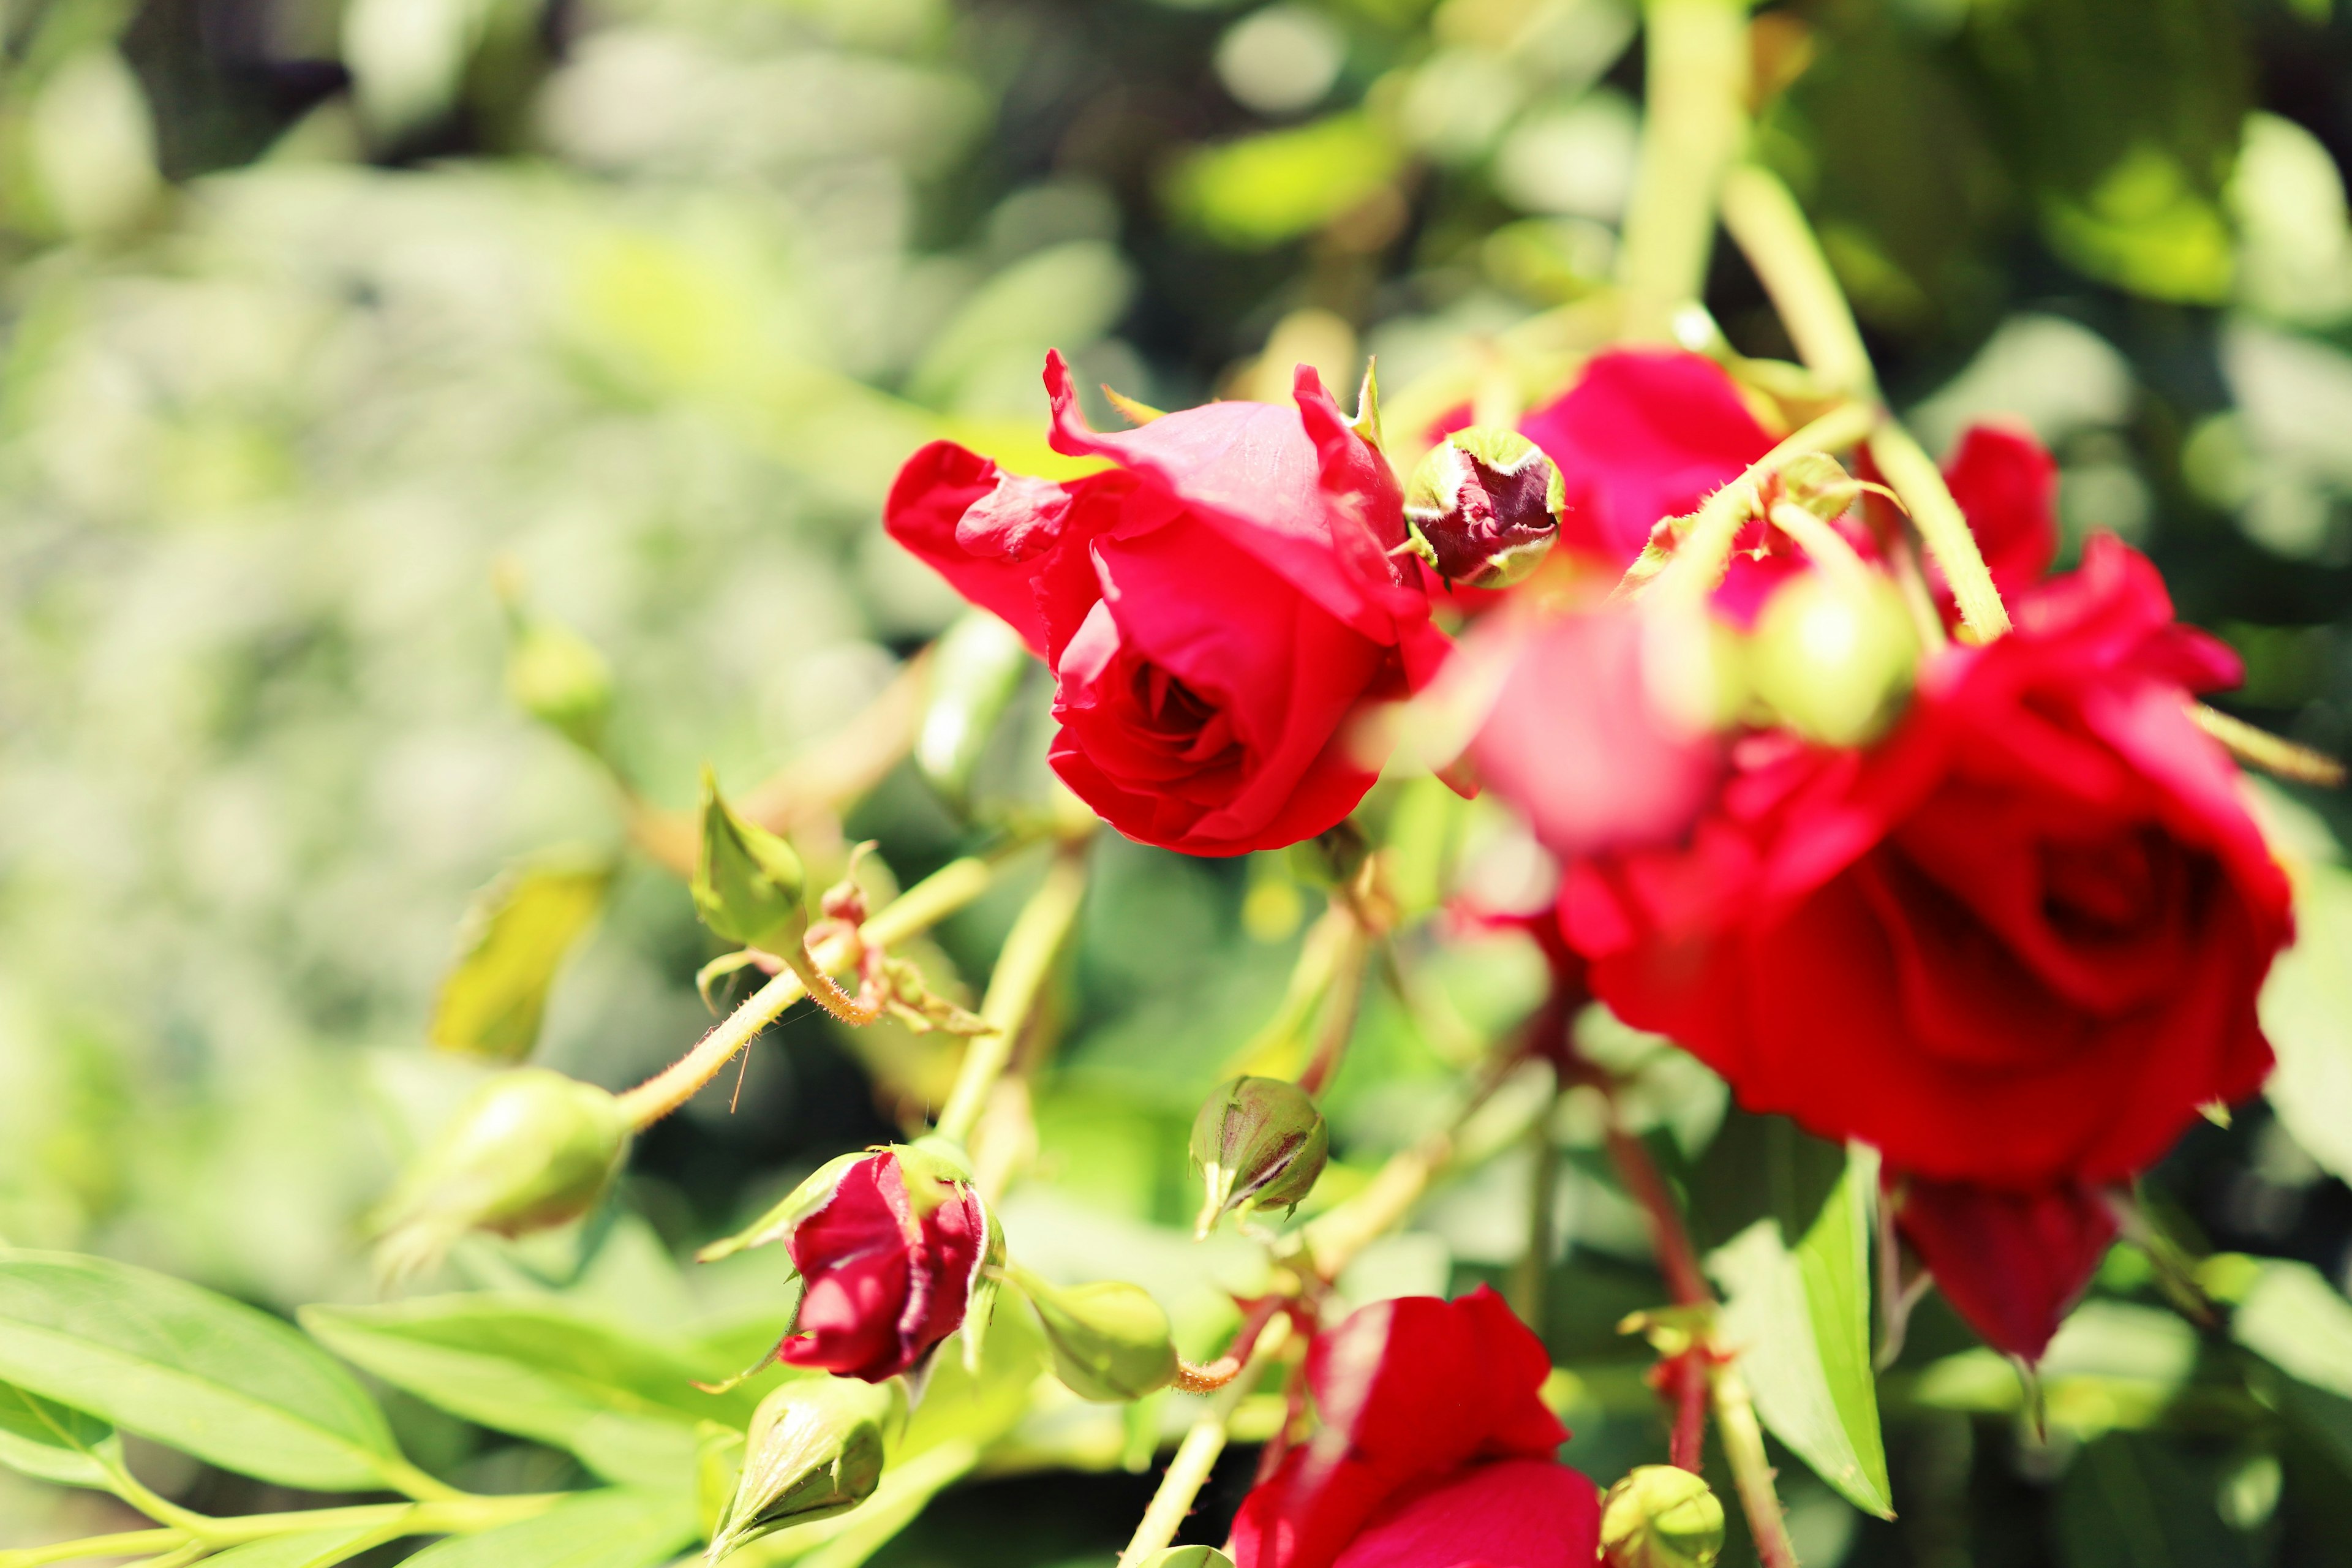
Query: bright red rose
1215	608
2012	1264
1435	1451
1648	433
2016	944
888	1271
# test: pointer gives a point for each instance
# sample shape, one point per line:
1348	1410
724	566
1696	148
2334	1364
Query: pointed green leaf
55	1443
1801	1321
598	1530
196	1371
544	1370
515	936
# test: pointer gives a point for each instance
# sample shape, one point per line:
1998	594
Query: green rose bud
1484	507
1819	483
1258	1142
1110	1342
1661	1516
1834	654
814	1450
529	1149
1187	1557
748	884
553	673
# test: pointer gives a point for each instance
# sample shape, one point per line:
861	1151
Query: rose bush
1435	1451
1216	607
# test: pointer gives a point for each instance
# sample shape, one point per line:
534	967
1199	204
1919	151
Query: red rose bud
890	1246
1833	655
1661	1516
814	1450
1258	1142
528	1150
2012	1264
1484	507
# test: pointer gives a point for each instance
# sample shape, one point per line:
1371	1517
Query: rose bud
1661	1516
1833	655
748	884
553	673
1109	1341
1258	1142
1187	1557
529	1149
891	1245
1484	507
814	1450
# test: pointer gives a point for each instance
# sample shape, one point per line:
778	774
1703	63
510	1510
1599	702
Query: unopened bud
1833	655
1484	507
529	1149
1110	1342
814	1450
1819	483
553	673
1258	1142
1187	1557
748	884
1661	1516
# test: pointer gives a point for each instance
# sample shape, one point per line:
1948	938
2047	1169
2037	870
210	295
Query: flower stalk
1697	87
1197	1454
1022	970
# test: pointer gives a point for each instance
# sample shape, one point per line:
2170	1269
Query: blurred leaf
536	1367
2112	1365
308	1548
974	672
2306	1011
1263	190
515	936
1801	1321
1066	294
2125	115
54	1442
958	1407
2296	1320
599	1530
2132	1501
189	1369
1757	1167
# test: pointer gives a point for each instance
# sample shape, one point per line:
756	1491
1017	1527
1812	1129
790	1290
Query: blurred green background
314	311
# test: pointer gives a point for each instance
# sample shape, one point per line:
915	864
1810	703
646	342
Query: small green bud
1484	507
1833	655
1258	1142
1819	483
1187	1557
814	1450
529	1149
747	885
1661	1516
1109	1341
553	673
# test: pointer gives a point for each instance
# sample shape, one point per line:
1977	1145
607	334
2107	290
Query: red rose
2014	944
2012	1264
888	1270
1648	433
1435	1451
1215	608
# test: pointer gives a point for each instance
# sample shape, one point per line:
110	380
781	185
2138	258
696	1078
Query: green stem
1022	971
460	1515
1770	230
1704	553
1530	1280
1751	1469
1942	528
919	907
1196	1456
1696	84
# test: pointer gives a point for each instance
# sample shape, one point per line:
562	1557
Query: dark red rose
1648	433
1435	1451
887	1265
1215	608
2012	1264
2016	944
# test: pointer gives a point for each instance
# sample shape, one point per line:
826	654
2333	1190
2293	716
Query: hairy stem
919	907
1770	230
1942	528
1022	971
1696	84
1197	1454
1752	1469
1211	1376
2272	754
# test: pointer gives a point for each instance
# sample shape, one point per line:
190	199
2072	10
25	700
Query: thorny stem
1942	528
1343	997
1209	1377
920	907
1022	971
1197	1454
1752	1469
2272	754
1677	1260
1529	1280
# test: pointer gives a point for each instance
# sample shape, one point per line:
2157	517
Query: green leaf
600	1529
2133	1501
1801	1321
975	670
2306	1011
1262	190
541	1369
54	1442
514	938
308	1549
2294	1319
191	1369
